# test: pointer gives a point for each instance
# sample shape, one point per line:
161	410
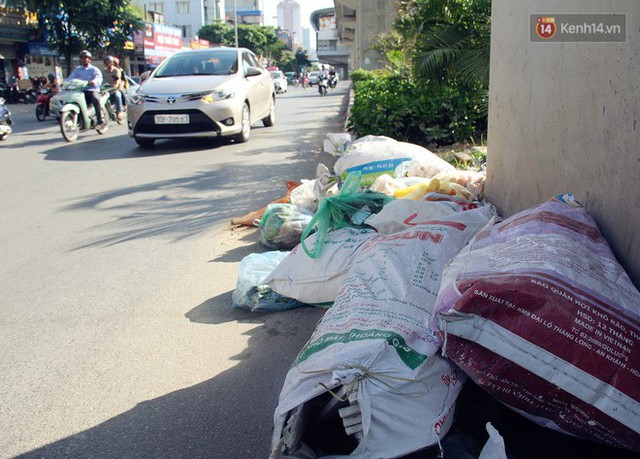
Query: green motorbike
76	116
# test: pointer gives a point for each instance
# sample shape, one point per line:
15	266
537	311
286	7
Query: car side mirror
144	76
253	71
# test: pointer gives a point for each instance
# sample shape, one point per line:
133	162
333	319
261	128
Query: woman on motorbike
115	78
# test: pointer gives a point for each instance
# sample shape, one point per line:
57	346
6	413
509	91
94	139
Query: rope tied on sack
366	373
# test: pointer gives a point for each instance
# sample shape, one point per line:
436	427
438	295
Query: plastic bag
251	291
376	155
348	208
282	225
336	144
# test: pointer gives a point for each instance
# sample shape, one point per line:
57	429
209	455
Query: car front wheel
245	121
270	120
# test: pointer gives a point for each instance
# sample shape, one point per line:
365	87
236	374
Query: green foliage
417	111
435	85
218	33
450	38
73	25
262	40
302	60
359	75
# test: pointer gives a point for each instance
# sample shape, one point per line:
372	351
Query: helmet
108	58
51	77
85	53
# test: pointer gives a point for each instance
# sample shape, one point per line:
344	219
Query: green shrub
361	75
418	112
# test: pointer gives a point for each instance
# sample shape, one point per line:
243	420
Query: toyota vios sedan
202	93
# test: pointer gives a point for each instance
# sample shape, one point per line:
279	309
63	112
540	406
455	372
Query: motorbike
42	104
5	120
76	116
322	85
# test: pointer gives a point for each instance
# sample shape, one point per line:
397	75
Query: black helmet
85	53
51	76
108	58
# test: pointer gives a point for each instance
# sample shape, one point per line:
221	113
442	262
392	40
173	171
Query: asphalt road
117	335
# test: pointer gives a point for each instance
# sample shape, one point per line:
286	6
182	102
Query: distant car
210	92
313	78
279	81
55	103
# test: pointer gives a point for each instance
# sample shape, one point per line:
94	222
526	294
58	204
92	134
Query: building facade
289	20
358	22
188	15
329	49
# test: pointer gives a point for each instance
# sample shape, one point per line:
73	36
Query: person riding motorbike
125	87
115	78
323	75
87	72
333	78
51	85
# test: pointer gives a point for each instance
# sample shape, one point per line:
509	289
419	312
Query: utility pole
235	20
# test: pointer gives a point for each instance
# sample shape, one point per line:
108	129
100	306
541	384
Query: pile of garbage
445	325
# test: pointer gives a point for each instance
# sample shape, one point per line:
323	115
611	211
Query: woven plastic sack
539	313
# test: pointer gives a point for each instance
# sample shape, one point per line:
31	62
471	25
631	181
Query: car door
260	86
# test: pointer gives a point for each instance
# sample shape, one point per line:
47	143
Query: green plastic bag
348	208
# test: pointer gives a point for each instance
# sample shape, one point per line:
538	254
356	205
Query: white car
211	92
313	78
280	81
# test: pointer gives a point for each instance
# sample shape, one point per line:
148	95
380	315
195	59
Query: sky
306	8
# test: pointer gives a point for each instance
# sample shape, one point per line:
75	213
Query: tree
73	25
218	32
302	59
451	37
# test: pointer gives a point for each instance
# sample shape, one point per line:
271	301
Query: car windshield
218	62
275	75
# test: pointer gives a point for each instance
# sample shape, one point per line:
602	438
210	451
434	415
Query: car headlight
218	94
136	98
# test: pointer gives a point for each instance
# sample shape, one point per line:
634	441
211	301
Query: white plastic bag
376	155
251	291
336	143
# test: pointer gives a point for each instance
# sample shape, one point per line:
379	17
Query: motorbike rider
125	88
115	78
333	77
87	72
51	85
324	74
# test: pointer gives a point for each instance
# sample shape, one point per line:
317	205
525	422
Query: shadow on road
213	419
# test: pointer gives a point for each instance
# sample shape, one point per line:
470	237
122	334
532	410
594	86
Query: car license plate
171	119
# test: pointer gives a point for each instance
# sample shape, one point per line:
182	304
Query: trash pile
448	332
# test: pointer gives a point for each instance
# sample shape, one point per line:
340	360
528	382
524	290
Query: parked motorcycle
76	116
42	104
5	120
322	85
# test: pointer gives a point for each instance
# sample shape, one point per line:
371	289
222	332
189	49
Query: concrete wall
565	117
